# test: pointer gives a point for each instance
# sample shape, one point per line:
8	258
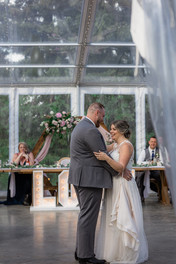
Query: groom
89	176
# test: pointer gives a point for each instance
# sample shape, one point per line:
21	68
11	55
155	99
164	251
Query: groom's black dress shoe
92	260
76	257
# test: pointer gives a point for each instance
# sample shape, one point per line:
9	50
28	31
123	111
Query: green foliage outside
148	122
31	113
32	109
4	128
112	21
59	21
4	137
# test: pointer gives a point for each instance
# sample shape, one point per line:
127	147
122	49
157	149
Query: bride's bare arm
124	156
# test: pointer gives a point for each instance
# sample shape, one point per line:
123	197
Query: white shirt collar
90	120
152	149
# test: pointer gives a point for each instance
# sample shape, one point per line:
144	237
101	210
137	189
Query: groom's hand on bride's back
127	175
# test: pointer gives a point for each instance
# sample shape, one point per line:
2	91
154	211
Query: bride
121	238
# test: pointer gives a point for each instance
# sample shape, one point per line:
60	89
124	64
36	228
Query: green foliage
41	21
32	110
148	122
4	137
112	21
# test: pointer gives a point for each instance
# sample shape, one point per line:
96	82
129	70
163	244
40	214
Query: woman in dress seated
20	190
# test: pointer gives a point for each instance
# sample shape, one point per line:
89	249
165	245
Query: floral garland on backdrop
60	123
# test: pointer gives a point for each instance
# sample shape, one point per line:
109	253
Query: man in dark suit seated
149	154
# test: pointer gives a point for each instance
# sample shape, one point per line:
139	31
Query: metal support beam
87	22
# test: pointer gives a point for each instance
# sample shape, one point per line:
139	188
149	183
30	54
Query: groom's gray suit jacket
85	169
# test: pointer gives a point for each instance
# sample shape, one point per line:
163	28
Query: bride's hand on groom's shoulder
127	175
100	155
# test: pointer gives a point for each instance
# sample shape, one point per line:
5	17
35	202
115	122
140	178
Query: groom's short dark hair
94	106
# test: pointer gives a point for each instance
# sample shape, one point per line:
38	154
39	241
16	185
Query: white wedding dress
121	238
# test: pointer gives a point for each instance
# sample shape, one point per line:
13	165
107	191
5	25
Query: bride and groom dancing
121	238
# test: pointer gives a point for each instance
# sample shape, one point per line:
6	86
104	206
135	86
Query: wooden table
33	171
30	170
164	186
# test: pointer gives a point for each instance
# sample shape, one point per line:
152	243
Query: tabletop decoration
14	166
65	166
60	123
141	165
147	165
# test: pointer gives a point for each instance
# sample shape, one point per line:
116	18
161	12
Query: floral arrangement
12	165
60	123
157	156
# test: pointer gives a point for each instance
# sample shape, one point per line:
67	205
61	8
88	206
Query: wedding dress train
121	238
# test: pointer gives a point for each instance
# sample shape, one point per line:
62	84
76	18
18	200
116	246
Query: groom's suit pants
89	201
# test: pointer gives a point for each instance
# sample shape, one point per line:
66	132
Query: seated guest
20	185
149	154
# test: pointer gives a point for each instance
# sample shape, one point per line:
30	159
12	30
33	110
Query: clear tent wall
62	56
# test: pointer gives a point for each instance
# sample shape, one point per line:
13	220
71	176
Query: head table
164	186
66	196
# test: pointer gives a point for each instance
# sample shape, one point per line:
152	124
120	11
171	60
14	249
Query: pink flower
58	115
63	112
54	122
62	123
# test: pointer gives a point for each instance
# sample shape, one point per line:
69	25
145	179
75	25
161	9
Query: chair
64	162
154	182
53	189
49	187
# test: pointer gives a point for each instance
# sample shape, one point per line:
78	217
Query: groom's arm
95	143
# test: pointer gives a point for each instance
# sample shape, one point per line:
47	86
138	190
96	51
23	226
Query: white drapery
153	28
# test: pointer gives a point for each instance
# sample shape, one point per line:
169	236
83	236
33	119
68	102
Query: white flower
64	128
51	113
54	122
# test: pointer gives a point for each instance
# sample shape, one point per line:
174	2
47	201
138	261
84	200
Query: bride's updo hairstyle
123	127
